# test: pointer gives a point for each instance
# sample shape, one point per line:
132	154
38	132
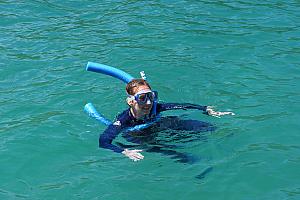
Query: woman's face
140	110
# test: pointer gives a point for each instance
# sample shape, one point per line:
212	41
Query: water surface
237	55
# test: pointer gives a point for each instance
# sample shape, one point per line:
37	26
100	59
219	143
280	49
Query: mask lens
142	98
151	96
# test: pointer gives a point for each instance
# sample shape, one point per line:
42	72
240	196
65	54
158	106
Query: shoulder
122	118
159	106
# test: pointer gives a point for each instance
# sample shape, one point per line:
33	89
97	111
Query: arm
111	132
177	106
184	106
106	138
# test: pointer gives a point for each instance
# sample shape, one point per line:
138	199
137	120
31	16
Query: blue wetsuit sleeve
106	138
177	106
111	132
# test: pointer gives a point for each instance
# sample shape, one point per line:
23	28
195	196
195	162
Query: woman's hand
133	154
210	111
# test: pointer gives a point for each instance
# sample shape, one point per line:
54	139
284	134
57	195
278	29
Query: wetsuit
125	120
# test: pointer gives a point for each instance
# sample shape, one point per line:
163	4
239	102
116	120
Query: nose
148	101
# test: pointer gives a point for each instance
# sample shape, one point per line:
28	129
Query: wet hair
134	83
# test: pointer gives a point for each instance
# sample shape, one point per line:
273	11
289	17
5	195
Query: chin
146	112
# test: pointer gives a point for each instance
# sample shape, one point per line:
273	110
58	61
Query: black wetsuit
125	120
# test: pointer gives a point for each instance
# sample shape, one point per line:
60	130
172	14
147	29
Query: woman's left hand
210	111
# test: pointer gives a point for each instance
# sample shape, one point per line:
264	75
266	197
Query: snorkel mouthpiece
143	75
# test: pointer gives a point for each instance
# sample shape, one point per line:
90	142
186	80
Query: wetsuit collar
144	120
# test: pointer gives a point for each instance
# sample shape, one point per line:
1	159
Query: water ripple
237	55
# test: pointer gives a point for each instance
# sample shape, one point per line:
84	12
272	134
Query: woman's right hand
133	154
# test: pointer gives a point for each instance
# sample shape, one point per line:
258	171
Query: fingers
136	157
219	114
136	150
210	107
215	115
228	113
133	154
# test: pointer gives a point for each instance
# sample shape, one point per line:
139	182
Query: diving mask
143	96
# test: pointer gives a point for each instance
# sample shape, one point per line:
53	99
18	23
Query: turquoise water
242	56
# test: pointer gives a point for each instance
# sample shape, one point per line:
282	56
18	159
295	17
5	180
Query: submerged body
145	109
141	122
126	121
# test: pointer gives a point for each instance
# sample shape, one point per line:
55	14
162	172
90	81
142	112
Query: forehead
140	88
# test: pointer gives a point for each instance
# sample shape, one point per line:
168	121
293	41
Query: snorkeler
145	109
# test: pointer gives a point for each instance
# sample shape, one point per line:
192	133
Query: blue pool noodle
114	72
92	112
111	71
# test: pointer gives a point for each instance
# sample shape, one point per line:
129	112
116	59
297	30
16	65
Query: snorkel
119	74
153	112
